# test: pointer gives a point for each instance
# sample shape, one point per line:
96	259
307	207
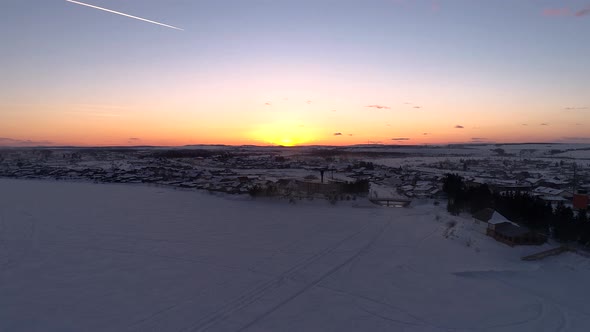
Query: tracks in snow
17	239
284	288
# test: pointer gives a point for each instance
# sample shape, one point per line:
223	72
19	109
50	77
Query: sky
281	72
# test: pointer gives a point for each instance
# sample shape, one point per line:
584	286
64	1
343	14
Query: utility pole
575	179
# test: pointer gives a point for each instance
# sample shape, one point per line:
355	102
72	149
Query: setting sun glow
283	133
293	73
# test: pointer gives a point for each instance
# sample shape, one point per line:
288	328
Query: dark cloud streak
6	141
583	12
381	107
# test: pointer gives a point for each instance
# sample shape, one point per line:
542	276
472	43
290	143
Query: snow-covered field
87	257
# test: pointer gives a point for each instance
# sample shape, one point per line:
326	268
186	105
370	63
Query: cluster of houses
235	174
554	182
239	170
272	173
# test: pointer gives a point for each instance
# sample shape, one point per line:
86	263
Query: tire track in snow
423	321
381	303
363	250
168	308
167	257
541	299
258	292
3	246
29	238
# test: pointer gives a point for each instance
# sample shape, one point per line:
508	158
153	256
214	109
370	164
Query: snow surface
89	257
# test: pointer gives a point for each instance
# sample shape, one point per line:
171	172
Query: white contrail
119	13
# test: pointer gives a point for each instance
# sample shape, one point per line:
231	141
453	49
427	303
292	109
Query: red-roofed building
581	201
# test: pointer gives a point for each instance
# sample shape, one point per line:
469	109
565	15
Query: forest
561	222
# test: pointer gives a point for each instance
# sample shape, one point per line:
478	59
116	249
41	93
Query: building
581	200
483	218
503	230
513	235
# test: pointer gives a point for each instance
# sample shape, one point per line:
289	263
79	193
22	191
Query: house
486	217
552	195
512	235
547	191
505	231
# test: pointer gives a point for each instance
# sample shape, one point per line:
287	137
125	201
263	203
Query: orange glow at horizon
283	133
292	122
274	75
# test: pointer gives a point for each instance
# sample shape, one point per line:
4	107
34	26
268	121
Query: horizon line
282	146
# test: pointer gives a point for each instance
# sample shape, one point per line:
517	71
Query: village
304	172
392	210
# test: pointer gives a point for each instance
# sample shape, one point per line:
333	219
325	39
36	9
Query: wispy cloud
381	107
583	12
337	134
123	14
556	12
479	140
133	140
413	105
561	12
459	127
6	141
435	6
524	124
97	113
425	134
109	107
267	103
99	110
308	102
400	139
575	108
544	124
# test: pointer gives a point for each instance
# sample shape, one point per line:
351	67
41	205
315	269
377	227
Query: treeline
287	188
561	222
186	153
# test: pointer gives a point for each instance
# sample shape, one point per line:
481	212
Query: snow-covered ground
87	257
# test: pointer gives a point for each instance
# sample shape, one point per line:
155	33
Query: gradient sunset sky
294	72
